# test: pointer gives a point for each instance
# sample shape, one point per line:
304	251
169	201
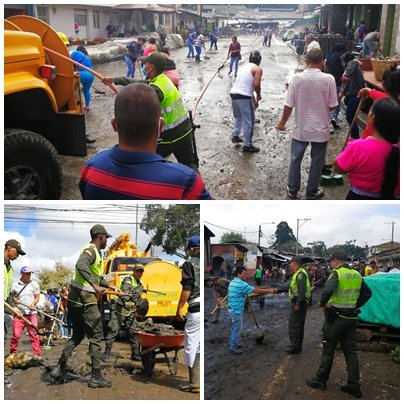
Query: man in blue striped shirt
238	291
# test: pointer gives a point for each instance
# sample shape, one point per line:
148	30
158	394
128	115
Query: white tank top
244	84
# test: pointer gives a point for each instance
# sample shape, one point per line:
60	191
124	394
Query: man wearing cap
12	250
86	318
132	169
177	129
344	293
191	294
133	286
299	292
25	293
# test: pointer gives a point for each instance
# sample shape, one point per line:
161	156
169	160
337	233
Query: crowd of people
371	158
343	293
80	304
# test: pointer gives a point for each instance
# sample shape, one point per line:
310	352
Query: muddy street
35	383
227	172
265	371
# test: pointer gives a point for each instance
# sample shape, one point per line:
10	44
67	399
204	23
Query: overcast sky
331	222
58	232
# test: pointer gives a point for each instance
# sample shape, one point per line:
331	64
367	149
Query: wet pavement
227	171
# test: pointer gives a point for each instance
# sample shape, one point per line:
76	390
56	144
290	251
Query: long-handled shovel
45	314
206	55
218	306
24	319
259	336
328	177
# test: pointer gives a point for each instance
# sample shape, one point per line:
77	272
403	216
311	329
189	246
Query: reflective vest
349	286
8	279
96	268
293	290
172	108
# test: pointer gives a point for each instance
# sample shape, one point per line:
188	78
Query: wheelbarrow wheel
148	362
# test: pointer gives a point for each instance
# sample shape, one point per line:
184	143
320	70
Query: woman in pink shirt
391	86
373	163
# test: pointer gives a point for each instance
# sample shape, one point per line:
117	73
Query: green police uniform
117	320
299	294
345	291
83	305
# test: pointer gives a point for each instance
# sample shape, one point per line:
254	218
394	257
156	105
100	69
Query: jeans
234	61
86	80
18	328
131	66
244	118
368	48
317	154
352	103
235	329
190	50
213	44
198	50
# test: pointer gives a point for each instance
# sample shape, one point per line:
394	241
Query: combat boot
193	385
59	371
107	353
97	380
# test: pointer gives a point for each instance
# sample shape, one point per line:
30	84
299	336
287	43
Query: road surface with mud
227	171
266	372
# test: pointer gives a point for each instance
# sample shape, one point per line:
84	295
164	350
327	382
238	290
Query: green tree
170	227
55	278
232	236
283	236
350	249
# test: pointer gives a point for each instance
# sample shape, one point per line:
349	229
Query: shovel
218	306
334	179
24	319
259	336
206	55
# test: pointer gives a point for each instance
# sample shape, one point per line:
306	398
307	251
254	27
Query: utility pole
259	231
137	210
391	242
297	233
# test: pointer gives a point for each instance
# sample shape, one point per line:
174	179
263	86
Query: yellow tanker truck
43	114
161	279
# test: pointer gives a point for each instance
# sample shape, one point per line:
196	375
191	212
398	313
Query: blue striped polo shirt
238	290
120	174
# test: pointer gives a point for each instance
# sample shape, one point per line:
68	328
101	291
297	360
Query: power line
234	231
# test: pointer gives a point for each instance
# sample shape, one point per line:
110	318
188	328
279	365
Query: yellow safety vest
349	286
172	108
293	290
96	268
8	279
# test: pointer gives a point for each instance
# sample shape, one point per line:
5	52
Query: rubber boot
107	353
193	385
97	380
135	355
197	58
59	371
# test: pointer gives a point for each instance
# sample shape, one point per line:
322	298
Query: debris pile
149	327
23	360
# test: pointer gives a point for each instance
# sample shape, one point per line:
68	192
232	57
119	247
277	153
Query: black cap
296	259
158	60
16	245
338	255
99	229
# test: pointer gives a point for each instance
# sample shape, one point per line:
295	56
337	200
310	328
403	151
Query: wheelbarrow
152	345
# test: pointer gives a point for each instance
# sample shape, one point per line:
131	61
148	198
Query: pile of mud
149	327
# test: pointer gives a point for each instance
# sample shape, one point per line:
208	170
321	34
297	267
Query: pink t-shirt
365	160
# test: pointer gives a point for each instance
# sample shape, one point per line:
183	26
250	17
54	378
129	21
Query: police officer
343	293
299	293
12	250
191	294
86	318
134	286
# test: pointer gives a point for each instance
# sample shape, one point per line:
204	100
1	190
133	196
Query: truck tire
31	166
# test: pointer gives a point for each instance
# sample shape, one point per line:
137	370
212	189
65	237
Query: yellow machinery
43	114
161	279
